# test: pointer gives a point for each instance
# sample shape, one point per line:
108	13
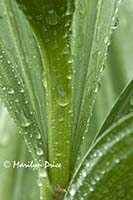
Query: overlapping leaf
118	72
15	181
21	76
123	106
107	166
95	19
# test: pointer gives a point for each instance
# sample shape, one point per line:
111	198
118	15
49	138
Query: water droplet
44	80
26	102
62	96
131	101
72	191
97	87
61	117
52	18
84	174
10	91
63	102
69	76
106	40
39	182
97	178
38	135
91	189
94	155
70	61
42	173
82	10
16	100
88	164
117	161
25	121
21	90
69	10
116	24
60	90
83	137
93	182
4	88
102	68
39	151
34	56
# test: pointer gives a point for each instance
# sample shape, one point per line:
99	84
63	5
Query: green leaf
21	88
117	74
12	148
123	106
92	26
20	83
107	166
21	80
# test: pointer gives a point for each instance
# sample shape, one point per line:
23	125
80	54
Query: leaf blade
90	57
112	152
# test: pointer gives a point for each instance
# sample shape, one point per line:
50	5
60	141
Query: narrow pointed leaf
107	166
123	106
15	181
21	74
21	80
117	74
95	19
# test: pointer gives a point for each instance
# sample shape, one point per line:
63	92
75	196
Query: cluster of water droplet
12	88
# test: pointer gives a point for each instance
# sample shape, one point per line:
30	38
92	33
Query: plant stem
55	50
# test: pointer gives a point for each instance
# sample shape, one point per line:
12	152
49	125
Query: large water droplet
25	121
52	18
61	90
39	182
62	95
42	173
